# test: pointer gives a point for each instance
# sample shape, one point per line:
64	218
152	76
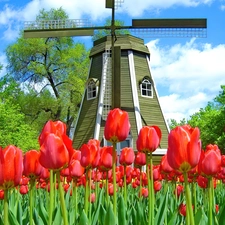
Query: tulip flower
209	165
148	139
210	162
127	156
140	159
183	154
184	148
106	160
55	127
117	126
32	166
182	209
90	154
1	194
54	154
157	186
11	169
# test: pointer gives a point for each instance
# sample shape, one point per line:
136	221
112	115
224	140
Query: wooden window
92	90
146	88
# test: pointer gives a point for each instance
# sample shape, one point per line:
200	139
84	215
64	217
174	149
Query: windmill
119	74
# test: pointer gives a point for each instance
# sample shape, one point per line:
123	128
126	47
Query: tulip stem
31	200
125	186
190	215
151	196
89	202
75	198
210	209
140	191
62	200
86	193
114	180
51	203
6	207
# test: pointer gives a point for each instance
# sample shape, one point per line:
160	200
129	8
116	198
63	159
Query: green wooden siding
149	107
87	118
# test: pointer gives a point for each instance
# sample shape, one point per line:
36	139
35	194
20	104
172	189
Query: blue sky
188	72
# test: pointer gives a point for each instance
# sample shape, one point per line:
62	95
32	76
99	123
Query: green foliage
54	71
13	128
173	123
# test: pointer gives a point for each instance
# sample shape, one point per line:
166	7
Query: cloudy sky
188	72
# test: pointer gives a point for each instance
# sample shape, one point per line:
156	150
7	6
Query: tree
13	127
173	123
54	71
211	121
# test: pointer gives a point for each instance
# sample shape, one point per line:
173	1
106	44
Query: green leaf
83	219
122	211
43	213
37	219
140	213
162	209
172	220
97	211
110	218
57	219
221	216
20	213
200	217
12	218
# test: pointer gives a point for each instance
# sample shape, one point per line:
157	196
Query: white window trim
147	96
96	86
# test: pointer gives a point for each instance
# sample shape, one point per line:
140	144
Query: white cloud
191	72
134	9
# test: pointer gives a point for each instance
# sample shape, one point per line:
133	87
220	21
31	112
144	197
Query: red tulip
140	159
54	153
157	186
75	168
117	126
202	182
223	160
92	197
11	167
148	139
179	190
1	194
56	127
210	162
165	168
144	192
90	154
182	209
184	148
105	161
32	167
24	189
127	156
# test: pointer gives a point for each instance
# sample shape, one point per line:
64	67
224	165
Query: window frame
146	81
92	88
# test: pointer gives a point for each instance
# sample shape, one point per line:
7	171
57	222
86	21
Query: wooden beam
57	33
169	23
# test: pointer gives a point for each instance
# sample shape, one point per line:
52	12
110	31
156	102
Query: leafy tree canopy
54	71
13	127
